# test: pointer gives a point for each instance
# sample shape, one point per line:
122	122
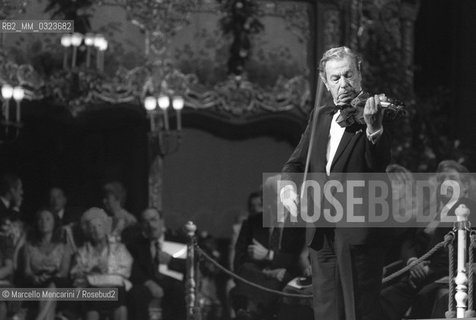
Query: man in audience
11	218
114	199
255	206
11	197
267	256
58	202
418	289
68	217
152	288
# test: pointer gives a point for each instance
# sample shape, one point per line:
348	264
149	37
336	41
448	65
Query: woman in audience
405	208
101	263
420	287
46	259
114	199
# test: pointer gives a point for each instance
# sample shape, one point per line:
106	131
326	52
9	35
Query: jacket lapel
322	139
351	134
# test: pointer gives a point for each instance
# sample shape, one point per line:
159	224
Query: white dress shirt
335	135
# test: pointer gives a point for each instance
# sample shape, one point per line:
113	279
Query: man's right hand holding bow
289	198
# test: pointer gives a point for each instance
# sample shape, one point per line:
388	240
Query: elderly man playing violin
349	137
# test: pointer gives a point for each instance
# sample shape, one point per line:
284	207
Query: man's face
152	224
342	79
256	205
110	202
57	199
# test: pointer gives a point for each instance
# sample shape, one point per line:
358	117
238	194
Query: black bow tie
348	116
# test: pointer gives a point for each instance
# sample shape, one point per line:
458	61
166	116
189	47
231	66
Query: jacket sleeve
377	155
139	273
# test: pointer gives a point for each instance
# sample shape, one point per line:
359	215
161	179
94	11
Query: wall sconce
157	111
17	93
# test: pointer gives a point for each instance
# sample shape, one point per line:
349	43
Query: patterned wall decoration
382	31
274	79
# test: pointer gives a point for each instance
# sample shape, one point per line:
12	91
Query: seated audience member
11	197
420	287
46	259
151	288
407	205
6	268
209	295
15	232
267	256
114	199
101	263
11	218
68	217
255	206
235	232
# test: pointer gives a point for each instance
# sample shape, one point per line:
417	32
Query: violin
394	110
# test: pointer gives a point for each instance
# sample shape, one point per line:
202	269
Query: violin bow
317	106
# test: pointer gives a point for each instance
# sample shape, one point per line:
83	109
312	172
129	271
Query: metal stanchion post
191	283
461	280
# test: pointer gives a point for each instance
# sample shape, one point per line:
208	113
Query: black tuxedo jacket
143	267
355	154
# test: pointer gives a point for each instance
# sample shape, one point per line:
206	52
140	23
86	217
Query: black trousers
173	302
347	280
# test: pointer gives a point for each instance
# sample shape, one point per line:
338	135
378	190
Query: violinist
348	136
